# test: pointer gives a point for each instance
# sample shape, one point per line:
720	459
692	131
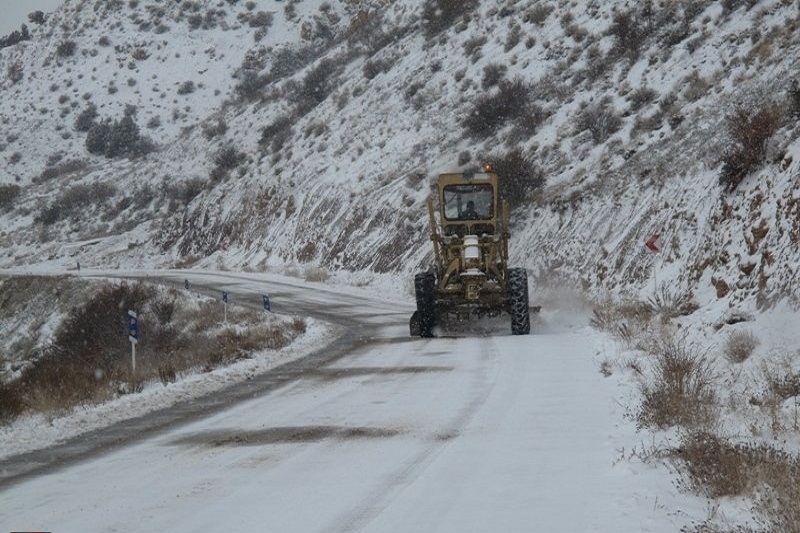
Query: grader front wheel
423	320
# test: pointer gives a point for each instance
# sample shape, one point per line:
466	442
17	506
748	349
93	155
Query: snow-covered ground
347	193
289	296
451	434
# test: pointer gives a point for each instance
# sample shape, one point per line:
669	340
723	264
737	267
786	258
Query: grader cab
470	277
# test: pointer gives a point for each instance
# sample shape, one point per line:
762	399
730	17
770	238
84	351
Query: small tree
8	194
519	175
749	131
66	48
438	15
85	120
600	119
37	17
630	34
491	112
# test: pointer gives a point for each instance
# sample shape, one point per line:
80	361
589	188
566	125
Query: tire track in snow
484	379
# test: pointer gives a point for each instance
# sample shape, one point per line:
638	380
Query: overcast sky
14	13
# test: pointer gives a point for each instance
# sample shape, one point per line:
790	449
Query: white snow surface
517	434
499	433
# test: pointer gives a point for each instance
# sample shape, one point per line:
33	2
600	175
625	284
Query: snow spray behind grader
470	277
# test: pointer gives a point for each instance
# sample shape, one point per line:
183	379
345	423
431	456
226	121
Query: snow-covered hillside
308	132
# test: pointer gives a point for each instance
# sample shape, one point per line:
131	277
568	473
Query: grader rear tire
425	291
518	289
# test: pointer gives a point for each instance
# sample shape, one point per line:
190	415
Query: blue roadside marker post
133	336
265	296
225	304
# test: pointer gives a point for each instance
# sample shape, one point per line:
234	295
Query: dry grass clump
681	392
717	468
627	320
782	383
89	360
740	345
316	273
672	304
748	132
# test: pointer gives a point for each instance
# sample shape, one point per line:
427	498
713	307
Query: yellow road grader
470	277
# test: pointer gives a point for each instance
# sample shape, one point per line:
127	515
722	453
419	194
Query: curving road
377	433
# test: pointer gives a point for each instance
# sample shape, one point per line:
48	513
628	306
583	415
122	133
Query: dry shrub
519	175
89	354
600	118
298	325
782	382
511	104
89	360
315	273
672	304
438	15
740	345
626	320
629	33
681	391
717	468
748	131
11	402
8	195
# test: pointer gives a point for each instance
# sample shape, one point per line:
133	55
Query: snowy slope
342	182
347	188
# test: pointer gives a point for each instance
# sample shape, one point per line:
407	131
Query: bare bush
629	33
15	72
672	303
782	382
229	158
739	346
250	85
70	166
510	104
538	14
374	67
183	191
681	391
277	134
438	15
315	273
641	97
718	468
600	118
493	73
520	175
8	195
213	128
748	132
66	48
186	87
298	325
626	320
74	201
794	98
316	86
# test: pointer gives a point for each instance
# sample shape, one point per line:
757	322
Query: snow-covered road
497	433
